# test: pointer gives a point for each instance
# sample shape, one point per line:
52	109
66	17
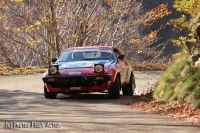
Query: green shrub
173	87
196	96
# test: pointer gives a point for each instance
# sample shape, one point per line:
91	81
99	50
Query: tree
189	7
35	31
181	80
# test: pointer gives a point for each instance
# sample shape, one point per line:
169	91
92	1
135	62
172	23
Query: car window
91	54
107	56
65	56
87	54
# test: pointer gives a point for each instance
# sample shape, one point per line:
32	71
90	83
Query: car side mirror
121	57
54	60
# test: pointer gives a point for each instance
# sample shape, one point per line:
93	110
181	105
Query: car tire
114	90
50	95
128	89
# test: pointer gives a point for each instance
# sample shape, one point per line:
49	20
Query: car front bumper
77	83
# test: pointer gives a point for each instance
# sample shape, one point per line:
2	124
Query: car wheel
51	95
114	90
129	88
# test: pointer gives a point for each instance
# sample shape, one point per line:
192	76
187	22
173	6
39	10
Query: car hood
84	64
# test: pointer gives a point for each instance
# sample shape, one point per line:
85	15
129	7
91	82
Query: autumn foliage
181	81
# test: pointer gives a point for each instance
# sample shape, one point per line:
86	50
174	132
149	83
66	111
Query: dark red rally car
89	69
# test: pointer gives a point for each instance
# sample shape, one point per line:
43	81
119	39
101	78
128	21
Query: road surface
23	108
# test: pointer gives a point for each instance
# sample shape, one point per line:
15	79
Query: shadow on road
81	112
19	96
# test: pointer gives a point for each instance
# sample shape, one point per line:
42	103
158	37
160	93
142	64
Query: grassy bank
180	82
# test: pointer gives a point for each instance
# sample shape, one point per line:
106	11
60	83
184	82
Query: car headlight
99	68
53	69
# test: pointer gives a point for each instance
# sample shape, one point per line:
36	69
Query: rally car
89	69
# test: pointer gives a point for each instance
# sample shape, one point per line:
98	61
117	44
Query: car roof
88	47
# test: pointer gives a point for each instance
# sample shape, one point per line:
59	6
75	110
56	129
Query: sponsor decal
75	88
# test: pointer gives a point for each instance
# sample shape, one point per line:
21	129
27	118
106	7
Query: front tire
114	91
50	95
128	89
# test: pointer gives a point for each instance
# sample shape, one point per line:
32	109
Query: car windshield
87	54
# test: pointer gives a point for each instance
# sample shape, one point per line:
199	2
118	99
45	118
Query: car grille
75	83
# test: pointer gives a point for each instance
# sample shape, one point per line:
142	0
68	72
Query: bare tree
34	31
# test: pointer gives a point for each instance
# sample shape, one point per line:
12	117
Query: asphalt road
23	108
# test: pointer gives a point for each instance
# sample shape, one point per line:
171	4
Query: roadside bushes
180	82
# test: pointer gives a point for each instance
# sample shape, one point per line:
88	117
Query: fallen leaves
21	71
150	67
177	110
